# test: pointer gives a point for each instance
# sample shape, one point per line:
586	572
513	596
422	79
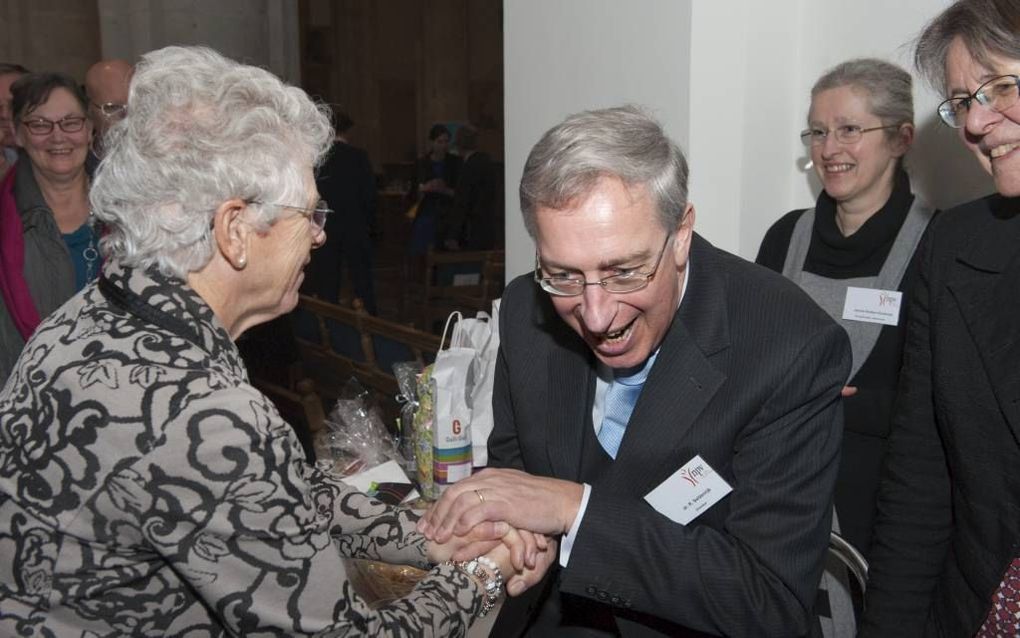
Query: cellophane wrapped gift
407	373
355	437
424	435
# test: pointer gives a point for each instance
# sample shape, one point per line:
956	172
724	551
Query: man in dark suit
666	410
347	183
946	556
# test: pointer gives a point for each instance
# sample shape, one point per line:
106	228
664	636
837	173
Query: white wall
730	80
565	56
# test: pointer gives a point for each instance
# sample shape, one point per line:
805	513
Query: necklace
91	252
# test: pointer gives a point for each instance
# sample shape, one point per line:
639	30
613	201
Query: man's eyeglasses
43	126
317	215
997	94
845	134
111	110
571	286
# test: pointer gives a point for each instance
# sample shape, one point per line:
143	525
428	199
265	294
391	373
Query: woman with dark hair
48	243
437	173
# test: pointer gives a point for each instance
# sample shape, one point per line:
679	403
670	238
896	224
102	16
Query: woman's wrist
489	577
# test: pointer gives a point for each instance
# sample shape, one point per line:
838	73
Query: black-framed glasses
111	110
998	94
317	216
43	126
573	285
845	134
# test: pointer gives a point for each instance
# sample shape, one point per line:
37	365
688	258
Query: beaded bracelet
487	572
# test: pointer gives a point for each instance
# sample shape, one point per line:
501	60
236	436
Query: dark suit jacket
748	376
347	183
948	520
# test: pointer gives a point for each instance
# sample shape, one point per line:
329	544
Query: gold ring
478	493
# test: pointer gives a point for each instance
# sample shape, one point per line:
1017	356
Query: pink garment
13	286
1004	617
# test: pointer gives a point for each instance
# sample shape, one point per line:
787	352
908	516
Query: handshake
510	517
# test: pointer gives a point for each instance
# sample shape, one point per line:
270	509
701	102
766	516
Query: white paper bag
480	400
451	379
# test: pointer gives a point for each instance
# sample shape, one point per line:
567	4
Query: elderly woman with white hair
147	487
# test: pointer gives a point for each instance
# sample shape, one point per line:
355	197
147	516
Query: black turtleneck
832	255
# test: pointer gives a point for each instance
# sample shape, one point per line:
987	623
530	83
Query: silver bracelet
488	573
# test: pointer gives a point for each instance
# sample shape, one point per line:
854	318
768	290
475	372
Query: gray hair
623	142
201	129
889	88
986	28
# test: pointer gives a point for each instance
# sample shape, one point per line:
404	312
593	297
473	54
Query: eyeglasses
43	126
317	215
997	94
629	281
111	110
845	134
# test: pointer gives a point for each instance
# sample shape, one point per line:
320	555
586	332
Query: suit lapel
682	381
571	386
986	285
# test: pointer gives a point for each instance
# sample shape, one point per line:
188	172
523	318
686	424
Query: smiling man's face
615	228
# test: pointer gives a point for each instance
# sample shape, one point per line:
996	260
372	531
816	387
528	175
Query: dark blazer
948	519
347	183
748	376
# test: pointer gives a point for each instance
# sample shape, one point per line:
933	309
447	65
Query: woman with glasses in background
48	243
946	559
853	252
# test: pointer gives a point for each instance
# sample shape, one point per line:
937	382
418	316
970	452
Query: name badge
873	305
688	492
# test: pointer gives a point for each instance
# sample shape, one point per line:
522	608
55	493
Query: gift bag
485	342
451	419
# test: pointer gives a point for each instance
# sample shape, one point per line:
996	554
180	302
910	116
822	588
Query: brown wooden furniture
337	343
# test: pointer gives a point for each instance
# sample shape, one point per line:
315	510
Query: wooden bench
337	343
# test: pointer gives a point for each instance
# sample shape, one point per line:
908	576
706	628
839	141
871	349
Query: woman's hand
479	540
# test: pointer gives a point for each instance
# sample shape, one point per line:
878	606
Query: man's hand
528	577
543	505
479	540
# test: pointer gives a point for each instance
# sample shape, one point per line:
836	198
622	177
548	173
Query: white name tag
873	305
688	492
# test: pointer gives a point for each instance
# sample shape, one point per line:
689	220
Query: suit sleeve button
590	589
603	595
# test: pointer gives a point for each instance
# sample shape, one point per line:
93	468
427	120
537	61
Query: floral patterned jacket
147	489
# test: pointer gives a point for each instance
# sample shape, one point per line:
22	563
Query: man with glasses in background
106	83
666	413
8	147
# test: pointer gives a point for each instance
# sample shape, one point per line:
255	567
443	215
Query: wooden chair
459	280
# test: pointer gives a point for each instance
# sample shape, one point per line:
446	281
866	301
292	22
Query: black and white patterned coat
146	488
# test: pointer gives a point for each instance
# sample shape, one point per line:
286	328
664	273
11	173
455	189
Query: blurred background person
347	183
48	242
8	147
148	487
945	558
861	234
473	222
106	83
436	178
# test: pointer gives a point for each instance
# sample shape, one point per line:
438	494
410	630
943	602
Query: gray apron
863	335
